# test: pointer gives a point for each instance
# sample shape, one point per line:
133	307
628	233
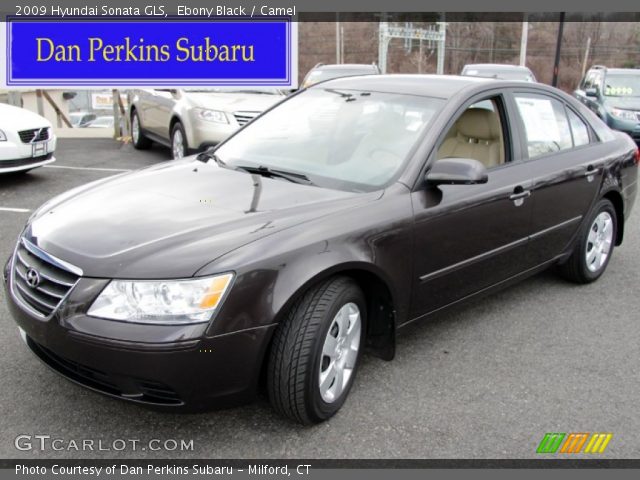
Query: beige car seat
478	136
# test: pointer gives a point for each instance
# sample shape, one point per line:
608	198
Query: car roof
441	86
622	70
346	66
502	66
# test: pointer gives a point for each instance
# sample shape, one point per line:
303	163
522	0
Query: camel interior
476	134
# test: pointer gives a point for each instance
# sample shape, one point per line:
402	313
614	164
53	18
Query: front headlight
3	137
624	114
212	115
161	302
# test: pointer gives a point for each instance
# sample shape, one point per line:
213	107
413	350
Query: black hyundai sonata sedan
347	211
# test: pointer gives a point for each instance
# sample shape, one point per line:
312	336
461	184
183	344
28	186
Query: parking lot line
17	210
95	169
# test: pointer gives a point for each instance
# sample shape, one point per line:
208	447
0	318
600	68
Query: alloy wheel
340	352
599	241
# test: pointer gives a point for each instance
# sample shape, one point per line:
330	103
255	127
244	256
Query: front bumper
20	164
152	365
15	153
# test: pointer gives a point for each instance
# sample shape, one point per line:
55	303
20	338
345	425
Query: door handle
591	172
518	196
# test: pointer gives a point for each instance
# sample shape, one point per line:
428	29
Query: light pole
556	63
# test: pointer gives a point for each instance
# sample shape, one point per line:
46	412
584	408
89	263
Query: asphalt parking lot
486	380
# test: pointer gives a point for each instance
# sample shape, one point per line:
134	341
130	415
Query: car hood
168	221
625	103
233	102
16	118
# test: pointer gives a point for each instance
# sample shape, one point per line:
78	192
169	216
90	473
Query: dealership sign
169	52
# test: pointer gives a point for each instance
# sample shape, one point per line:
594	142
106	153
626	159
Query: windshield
345	139
255	90
622	85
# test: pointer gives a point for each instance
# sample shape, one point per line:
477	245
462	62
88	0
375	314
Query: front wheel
316	350
593	250
179	146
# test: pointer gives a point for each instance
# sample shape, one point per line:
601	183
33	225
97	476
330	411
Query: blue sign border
281	82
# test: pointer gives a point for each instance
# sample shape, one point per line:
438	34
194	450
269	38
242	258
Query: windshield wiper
210	154
271	173
349	97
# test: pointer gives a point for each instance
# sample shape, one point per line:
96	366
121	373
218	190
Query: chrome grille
34	135
40	282
245	117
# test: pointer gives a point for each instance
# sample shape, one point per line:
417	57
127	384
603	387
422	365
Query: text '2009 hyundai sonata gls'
347	211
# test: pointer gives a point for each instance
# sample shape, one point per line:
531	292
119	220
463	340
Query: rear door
565	169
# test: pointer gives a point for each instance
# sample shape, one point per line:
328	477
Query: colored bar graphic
550	443
598	443
573	442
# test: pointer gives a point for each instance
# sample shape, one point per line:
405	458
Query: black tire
177	127
140	142
296	352
576	268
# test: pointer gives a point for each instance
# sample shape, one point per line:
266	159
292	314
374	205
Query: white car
26	140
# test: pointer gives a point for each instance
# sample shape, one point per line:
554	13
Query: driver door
470	237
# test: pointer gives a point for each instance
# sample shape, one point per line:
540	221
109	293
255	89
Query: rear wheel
138	139
593	250
316	350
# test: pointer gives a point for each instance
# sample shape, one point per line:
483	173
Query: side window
477	134
587	81
597	81
545	122
579	129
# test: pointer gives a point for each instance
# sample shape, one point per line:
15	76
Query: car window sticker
539	119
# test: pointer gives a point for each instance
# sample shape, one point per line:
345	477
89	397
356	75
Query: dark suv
614	95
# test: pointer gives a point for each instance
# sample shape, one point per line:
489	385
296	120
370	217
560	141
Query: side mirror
591	92
457	171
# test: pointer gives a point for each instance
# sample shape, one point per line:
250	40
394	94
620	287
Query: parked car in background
80	119
106	121
348	211
614	95
499	70
27	140
191	119
322	72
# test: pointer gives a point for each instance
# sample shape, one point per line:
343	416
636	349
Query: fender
278	268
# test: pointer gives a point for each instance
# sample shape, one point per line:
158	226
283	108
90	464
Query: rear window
579	129
545	123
